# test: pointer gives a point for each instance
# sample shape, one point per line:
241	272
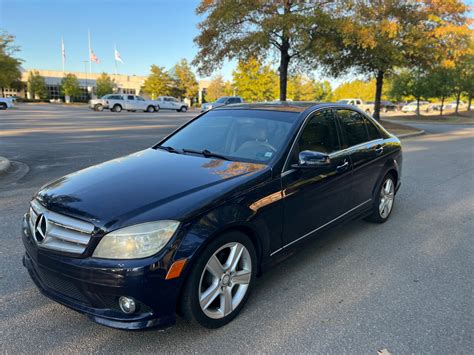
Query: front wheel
99	107
3	106
117	108
150	109
384	202
220	281
184	109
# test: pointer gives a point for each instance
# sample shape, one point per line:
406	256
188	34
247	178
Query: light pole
87	81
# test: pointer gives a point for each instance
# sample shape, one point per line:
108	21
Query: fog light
127	304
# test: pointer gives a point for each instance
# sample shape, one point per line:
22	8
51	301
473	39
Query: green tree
248	28
37	86
217	88
158	82
411	84
185	81
440	84
374	37
254	81
10	73
104	85
301	88
358	89
70	86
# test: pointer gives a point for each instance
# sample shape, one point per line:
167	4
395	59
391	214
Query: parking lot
405	286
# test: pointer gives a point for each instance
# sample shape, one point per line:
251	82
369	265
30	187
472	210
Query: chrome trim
320	227
63	233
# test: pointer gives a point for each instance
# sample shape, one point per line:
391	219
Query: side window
353	127
130	97
320	134
372	130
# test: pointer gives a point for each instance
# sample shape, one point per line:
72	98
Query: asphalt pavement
405	286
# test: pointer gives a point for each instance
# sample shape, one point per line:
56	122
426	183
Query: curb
414	134
4	165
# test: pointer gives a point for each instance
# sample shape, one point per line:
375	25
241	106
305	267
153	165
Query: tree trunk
378	94
3	92
284	62
458	97
442	106
417	106
469	102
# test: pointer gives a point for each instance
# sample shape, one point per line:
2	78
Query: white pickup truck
171	103
5	103
369	108
119	102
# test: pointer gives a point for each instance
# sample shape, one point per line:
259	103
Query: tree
70	86
10	72
254	81
356	89
301	88
374	37
217	88
409	84
248	28
37	86
104	85
185	81
440	84
158	82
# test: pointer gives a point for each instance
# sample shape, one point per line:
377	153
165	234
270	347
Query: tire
99	108
3	106
150	109
225	297
184	109
386	197
157	109
117	108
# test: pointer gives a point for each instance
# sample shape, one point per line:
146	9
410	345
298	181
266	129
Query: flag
63	50
93	57
118	58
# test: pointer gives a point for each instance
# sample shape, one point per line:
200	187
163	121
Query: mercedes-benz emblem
41	228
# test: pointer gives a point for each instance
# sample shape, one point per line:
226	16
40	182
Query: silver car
222	101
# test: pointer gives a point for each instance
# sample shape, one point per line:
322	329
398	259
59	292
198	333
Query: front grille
64	234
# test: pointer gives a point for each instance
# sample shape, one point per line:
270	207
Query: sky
145	31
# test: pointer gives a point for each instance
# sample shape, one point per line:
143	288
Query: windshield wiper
207	153
169	149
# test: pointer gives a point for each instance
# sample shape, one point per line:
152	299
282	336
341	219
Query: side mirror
308	159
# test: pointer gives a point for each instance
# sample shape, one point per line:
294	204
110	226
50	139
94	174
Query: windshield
221	100
343	102
106	96
241	135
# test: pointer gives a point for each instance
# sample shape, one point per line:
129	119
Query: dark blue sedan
185	227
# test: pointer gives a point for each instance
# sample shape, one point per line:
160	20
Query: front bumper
93	287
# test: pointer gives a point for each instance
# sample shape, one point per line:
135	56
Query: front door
317	196
130	103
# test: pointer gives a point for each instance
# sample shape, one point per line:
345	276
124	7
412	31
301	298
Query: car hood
147	185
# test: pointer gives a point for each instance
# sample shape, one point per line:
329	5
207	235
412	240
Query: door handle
342	167
378	150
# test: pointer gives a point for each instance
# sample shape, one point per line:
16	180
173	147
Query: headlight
137	241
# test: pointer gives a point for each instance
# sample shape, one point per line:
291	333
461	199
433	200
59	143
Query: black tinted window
353	127
372	130
130	97
320	134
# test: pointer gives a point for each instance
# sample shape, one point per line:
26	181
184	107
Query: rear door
364	144
317	196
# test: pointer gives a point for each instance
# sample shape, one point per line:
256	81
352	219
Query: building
126	84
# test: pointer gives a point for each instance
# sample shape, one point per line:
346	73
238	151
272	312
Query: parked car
119	102
367	107
450	106
6	103
189	223
222	101
411	107
385	106
171	103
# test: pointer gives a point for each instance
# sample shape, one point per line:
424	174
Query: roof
288	106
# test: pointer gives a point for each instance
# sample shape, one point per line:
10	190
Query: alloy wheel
387	194
225	280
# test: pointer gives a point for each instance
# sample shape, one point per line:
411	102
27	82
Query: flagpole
90	61
115	59
62	52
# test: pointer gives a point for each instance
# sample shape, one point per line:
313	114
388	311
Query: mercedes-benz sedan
185	226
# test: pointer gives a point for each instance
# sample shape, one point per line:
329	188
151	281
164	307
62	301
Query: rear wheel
184	109
3	106
99	107
117	108
384	202
220	281
150	109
